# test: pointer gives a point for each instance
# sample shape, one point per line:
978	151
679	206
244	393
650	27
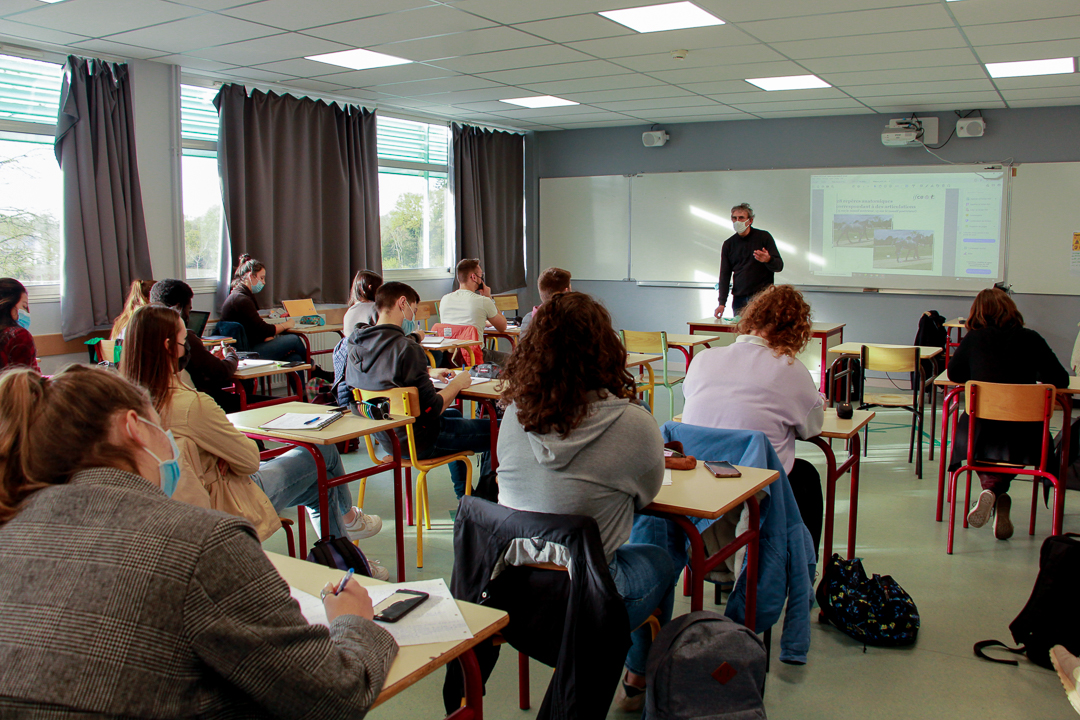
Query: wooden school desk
697	494
950	411
819	331
686	344
218	340
306	331
413	662
348	427
511	333
292	377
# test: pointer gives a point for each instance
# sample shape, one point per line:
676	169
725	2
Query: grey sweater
608	467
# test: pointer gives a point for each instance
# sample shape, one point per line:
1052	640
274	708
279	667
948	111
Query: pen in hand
341	585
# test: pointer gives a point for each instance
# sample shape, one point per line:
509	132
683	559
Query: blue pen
314	419
344	582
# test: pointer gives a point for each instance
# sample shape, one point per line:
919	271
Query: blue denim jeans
286	347
456	434
292	479
645	578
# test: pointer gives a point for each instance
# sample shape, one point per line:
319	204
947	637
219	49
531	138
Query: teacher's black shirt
737	258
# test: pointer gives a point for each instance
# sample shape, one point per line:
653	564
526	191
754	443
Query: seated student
154	608
219	457
574	441
552	281
471	304
210	370
270	341
383	357
362	300
998	348
138	295
16	343
757	384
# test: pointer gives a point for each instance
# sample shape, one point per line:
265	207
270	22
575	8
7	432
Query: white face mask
740	226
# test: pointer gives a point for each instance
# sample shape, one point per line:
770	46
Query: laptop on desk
299	308
196	321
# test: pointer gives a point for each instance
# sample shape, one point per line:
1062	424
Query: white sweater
744	386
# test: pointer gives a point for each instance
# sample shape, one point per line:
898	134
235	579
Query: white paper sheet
311	607
667	476
433	341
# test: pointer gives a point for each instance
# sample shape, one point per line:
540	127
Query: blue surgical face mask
408	325
24	319
257	287
168	470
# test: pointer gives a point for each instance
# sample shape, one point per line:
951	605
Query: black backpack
340	553
705	666
874	611
1049	618
931	332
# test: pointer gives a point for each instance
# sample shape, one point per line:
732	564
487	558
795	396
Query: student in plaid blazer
119	602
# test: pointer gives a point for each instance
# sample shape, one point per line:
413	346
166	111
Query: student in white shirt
757	384
362	300
471	304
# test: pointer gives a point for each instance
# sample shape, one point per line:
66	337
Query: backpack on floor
340	553
705	666
1049	618
874	611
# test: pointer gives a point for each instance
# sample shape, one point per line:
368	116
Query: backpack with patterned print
874	611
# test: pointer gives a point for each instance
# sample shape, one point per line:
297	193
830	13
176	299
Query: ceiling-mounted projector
654	138
910	132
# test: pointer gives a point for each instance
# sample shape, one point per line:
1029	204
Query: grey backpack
705	666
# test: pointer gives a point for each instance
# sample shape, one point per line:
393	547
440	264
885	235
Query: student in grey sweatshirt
575	441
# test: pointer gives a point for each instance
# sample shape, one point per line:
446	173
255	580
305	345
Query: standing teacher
751	256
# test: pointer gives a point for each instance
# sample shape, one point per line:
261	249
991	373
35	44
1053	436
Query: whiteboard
585	226
1045	213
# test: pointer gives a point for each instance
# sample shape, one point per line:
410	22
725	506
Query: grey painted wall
1024	135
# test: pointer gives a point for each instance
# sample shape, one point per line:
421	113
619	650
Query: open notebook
302	421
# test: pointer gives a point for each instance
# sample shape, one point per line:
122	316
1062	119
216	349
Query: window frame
201	286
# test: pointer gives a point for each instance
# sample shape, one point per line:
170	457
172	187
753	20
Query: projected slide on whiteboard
873	227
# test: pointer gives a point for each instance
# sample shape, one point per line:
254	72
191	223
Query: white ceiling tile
382	76
812	113
920	88
286	46
551	73
511	59
1069	93
657	103
602	124
692	115
751	94
11	7
487	106
1028	51
407	25
361	95
193	33
635	93
467	96
115	49
610	82
242	74
1003	11
293	15
438	85
212	4
102	17
1039	81
838	25
707	57
729	72
191	63
20	31
878	77
520	12
754	107
1062	28
315	85
890	61
299	67
956	101
901	108
573	28
462	43
740	11
665	42
1049	102
529	113
876	43
720	87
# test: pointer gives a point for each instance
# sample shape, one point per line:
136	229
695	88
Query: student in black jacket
998	348
270	341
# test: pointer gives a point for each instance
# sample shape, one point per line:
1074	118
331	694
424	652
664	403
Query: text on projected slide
933	224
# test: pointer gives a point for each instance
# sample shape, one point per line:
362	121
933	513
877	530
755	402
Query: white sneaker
377	570
981	509
363	526
1068	670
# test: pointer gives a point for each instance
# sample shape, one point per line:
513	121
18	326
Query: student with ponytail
134	605
16	342
362	300
272	342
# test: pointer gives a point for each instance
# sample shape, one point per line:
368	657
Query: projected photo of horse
858	230
904	249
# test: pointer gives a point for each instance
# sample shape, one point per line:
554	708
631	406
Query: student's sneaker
1003	527
981	509
363	526
1068	669
377	570
629	698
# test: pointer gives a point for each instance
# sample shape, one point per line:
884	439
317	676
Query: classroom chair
425	310
898	360
653	343
406	401
108	351
1008	403
506	303
466	356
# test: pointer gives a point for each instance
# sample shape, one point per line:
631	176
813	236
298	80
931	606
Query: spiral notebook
302	421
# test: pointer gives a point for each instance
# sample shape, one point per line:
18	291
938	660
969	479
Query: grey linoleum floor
969	596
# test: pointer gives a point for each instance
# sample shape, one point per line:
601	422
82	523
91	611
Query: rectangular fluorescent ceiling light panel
1025	68
789	82
539	101
669	16
358	59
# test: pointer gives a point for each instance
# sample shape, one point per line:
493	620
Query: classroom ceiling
880	56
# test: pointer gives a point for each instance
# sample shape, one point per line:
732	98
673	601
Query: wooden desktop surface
483	390
218	340
452	343
315	329
634	359
347	427
675	340
413	662
834	427
855	348
816	329
698	494
267	371
956	323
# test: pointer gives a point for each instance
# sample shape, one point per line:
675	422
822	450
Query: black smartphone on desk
398	605
722	469
294	363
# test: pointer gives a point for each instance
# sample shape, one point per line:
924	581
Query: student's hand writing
353	600
462	381
441	373
762	255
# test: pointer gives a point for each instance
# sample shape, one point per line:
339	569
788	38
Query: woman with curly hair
574	441
757	384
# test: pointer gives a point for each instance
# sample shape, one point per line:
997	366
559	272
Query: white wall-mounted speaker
654	138
970	127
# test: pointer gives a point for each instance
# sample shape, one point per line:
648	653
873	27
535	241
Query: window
31	185
413	195
201	185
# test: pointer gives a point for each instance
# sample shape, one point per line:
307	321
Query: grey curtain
300	186
105	245
489	203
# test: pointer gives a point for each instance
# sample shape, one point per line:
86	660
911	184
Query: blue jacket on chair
786	557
